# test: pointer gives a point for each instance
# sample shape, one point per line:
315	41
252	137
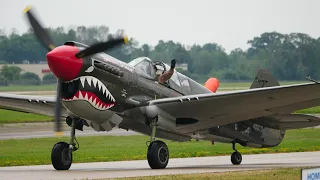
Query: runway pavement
175	166
42	134
39	130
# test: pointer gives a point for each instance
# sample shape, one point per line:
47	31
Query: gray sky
229	23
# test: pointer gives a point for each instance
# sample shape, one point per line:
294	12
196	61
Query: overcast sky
229	23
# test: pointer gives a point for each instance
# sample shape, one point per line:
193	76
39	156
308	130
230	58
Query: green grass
313	110
7	116
50	87
278	174
115	148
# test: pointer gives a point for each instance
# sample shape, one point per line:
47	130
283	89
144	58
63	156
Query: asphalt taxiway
46	129
176	166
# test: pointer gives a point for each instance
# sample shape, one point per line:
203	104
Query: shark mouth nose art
90	89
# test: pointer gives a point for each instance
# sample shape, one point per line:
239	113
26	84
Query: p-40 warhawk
99	91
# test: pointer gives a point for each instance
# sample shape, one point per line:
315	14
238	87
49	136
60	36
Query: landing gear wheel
158	155
236	158
61	156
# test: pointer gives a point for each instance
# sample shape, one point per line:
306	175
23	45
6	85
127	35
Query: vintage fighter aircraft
99	91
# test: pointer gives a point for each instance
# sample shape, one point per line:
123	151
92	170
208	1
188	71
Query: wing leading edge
31	104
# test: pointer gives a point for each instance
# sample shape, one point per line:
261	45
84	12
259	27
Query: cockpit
151	70
144	67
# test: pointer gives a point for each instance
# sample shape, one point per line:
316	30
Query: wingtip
27	9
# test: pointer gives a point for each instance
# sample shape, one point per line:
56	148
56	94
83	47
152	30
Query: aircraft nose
63	62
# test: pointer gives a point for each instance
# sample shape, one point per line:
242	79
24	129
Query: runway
40	130
42	134
175	166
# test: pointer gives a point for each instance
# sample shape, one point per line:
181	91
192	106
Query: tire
158	155
60	157
236	158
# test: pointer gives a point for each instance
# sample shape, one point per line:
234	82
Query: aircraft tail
212	84
264	79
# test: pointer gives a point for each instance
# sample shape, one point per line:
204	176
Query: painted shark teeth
94	82
89	97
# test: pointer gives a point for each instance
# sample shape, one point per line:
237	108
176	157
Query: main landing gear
236	157
61	154
158	152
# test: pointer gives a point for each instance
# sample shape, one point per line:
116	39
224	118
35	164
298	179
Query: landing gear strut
61	154
236	157
158	152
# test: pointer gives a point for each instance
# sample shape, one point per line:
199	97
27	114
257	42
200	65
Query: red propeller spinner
63	63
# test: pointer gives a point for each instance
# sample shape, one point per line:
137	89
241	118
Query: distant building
39	69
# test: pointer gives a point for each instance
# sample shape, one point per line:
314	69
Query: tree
31	78
288	56
49	79
10	73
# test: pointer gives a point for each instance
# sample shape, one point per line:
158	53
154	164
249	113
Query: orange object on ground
212	84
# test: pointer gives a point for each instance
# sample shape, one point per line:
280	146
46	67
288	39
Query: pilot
163	77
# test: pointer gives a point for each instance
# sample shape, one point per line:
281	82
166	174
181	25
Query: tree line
288	56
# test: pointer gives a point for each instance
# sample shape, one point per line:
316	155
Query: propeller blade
45	39
40	32
100	47
57	111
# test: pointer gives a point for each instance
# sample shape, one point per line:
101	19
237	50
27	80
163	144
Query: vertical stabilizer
264	79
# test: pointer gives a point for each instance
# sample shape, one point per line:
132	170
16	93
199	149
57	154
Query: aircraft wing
217	109
31	104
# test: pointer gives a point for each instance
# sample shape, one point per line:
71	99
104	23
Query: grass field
115	148
7	116
313	110
278	174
